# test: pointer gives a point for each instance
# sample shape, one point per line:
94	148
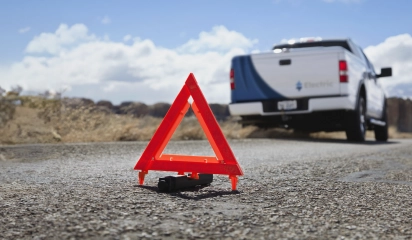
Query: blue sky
172	24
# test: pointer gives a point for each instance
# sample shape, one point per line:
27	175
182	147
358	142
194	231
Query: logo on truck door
318	84
299	86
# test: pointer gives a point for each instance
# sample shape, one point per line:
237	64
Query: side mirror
385	72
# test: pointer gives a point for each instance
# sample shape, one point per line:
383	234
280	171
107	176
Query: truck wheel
381	132
356	122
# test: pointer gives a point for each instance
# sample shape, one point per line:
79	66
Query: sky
144	50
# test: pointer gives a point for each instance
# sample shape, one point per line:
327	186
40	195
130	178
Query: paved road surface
291	189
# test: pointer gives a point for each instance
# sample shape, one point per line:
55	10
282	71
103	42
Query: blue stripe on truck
249	86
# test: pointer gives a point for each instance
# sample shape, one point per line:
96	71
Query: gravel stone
292	189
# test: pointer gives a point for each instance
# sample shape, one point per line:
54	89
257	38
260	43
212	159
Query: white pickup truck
310	85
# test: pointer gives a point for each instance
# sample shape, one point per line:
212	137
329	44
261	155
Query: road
291	189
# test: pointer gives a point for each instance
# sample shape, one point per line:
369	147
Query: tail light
232	79
343	72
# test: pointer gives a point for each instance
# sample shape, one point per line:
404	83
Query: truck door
375	95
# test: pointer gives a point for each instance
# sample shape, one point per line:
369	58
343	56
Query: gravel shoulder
291	189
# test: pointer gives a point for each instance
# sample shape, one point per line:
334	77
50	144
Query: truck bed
293	74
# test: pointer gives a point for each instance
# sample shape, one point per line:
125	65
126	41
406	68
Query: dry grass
7	110
59	124
51	123
74	125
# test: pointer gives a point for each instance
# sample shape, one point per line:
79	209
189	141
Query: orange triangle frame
153	158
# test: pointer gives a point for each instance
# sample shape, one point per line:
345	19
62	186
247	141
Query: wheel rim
362	120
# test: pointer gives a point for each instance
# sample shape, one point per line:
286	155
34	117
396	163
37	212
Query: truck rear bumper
313	105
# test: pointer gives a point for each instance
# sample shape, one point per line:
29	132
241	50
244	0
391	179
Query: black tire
381	132
301	133
356	125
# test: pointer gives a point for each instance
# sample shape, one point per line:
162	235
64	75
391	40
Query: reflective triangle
153	157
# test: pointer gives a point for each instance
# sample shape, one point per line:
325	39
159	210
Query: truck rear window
343	44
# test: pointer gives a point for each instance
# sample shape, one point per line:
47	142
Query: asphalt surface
297	189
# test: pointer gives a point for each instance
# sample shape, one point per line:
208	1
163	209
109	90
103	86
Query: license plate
287	105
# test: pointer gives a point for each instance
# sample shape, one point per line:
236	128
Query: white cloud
219	39
127	38
24	30
395	52
106	20
182	34
103	69
60	40
96	67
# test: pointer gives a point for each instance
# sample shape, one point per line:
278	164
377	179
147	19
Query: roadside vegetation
37	119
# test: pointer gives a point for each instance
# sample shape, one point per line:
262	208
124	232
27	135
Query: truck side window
356	50
372	69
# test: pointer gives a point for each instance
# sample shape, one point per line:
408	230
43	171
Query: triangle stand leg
142	174
233	179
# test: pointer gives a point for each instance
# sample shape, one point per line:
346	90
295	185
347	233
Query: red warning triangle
153	157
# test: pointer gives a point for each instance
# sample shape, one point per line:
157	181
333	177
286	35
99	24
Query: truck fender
360	85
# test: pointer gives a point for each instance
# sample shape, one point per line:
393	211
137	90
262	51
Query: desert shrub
7	110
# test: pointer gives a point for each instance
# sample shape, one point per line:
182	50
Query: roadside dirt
54	123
